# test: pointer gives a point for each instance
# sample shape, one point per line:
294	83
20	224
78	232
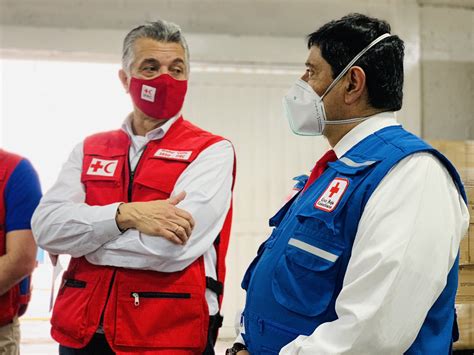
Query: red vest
12	303
165	313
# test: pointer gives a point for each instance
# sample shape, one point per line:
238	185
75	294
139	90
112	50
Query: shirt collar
156	133
363	130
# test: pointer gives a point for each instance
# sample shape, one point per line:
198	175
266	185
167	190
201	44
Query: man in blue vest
364	259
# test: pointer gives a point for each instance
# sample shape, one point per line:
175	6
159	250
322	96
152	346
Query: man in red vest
145	213
20	193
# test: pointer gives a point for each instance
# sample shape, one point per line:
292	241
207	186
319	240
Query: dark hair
341	40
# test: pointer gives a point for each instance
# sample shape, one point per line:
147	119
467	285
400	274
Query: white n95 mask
304	108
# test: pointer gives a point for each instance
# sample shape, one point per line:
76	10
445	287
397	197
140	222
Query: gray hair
161	31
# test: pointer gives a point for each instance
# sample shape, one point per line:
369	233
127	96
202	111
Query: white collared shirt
64	224
402	254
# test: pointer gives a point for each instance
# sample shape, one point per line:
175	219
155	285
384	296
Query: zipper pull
137	299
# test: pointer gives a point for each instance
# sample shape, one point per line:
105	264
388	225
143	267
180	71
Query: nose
305	76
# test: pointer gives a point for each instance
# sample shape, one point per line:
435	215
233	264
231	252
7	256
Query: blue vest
293	283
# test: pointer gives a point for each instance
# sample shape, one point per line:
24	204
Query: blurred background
58	67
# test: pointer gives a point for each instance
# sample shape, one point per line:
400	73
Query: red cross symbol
97	166
334	190
147	91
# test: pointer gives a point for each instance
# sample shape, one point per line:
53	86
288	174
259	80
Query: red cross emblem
102	167
98	165
334	190
148	93
332	195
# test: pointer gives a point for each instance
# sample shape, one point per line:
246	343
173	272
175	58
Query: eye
149	68
177	70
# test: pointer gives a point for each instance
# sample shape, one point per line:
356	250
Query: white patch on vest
102	167
332	195
354	164
173	154
148	93
323	254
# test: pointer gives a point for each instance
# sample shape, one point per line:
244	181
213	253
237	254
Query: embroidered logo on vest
173	154
102	167
332	195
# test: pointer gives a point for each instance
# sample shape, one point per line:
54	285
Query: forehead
316	60
146	48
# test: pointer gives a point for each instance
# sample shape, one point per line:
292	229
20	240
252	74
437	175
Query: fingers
187	216
180	232
177	199
169	235
161	218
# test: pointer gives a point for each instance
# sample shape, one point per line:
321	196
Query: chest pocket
157	178
309	271
305	276
102	177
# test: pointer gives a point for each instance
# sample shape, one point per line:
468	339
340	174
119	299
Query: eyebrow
178	61
149	61
155	61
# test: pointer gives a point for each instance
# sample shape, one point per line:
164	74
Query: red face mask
159	98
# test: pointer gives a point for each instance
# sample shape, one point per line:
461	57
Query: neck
334	133
142	124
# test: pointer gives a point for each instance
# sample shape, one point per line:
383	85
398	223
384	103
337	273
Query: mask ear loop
355	59
344	71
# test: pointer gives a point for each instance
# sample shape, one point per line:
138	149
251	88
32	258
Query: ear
124	80
355	85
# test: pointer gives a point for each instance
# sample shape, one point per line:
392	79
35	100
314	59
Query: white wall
447	72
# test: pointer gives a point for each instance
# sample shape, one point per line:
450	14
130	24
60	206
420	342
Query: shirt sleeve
22	194
208	184
416	216
63	223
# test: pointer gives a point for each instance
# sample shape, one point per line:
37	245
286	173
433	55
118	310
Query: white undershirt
406	243
64	224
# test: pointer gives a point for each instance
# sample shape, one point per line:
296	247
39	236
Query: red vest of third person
140	310
12	303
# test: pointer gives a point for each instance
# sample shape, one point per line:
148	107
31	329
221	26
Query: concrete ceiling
235	17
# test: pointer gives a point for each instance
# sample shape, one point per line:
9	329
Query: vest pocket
73	298
274	335
104	186
305	276
160	317
157	179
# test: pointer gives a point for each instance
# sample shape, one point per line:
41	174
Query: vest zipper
131	173
136	296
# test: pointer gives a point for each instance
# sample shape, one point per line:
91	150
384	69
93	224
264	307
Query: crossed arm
158	238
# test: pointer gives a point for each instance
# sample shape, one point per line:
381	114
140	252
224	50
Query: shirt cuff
239	339
105	223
